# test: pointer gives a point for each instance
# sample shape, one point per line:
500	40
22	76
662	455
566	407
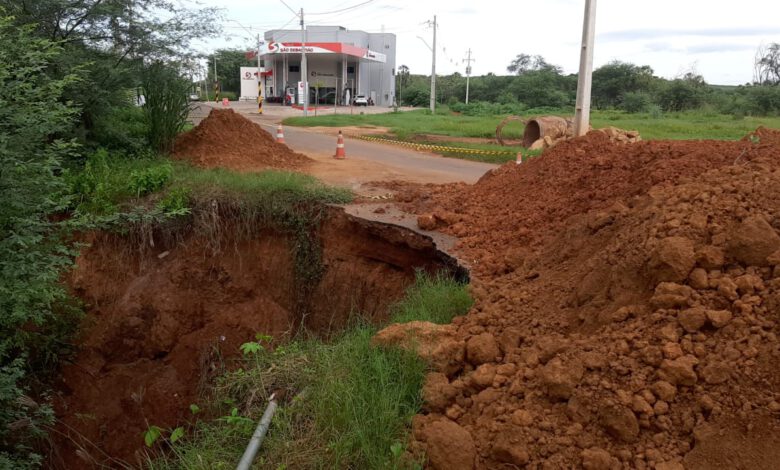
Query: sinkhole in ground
158	318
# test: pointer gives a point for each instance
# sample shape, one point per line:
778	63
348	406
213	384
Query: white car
360	100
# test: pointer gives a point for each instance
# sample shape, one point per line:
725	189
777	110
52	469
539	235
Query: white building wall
369	76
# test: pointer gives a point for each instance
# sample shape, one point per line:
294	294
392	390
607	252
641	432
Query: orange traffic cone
519	158
340	153
279	134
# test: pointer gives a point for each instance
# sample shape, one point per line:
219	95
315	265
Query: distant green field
687	125
409	125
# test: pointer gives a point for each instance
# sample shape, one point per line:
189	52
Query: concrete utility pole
259	88
304	73
433	70
216	81
468	60
582	110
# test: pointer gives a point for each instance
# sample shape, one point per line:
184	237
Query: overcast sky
717	38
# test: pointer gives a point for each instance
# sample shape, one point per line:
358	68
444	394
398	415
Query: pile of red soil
225	139
627	310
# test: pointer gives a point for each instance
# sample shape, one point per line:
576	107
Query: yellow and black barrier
436	148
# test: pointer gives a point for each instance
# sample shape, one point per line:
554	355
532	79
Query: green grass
405	125
357	405
282	186
684	125
109	184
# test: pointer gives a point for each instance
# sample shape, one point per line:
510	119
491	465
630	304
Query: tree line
79	80
535	83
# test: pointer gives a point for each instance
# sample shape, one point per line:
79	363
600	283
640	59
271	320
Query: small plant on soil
254	347
358	400
148	180
151	435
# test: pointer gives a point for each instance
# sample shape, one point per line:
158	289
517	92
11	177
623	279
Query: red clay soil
626	315
160	323
226	139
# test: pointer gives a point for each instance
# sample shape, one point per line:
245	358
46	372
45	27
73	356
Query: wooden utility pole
582	111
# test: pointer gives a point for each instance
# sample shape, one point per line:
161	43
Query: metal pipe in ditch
257	438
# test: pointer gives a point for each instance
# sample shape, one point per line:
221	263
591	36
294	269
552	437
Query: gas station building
341	63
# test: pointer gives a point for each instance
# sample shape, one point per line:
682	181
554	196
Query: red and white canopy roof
321	48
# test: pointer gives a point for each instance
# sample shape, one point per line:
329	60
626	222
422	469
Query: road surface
366	161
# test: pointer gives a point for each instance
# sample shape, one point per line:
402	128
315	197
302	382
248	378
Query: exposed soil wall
161	320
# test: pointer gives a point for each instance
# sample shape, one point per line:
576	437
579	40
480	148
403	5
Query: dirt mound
161	323
518	206
225	139
627	309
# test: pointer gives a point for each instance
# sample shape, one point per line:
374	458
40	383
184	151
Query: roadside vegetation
446	122
624	95
70	76
347	403
420	126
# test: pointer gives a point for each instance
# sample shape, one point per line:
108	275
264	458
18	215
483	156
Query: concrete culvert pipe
538	128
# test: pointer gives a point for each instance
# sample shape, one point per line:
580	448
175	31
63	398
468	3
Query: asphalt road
366	161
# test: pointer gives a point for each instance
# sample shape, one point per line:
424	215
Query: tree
543	88
523	63
613	80
33	316
109	42
402	78
766	69
229	63
683	93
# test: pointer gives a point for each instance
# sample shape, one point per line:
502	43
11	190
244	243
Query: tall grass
167	104
356	408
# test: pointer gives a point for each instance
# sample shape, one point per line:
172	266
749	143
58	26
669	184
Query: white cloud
719	36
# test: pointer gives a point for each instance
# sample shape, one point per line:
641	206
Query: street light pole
304	74
582	109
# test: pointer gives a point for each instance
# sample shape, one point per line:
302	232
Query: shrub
482	108
36	318
122	129
636	102
167	105
150	179
175	202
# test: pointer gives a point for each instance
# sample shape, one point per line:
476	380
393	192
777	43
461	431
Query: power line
342	10
289	7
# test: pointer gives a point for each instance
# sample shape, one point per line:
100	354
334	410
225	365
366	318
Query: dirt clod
619	422
482	348
448	446
753	241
